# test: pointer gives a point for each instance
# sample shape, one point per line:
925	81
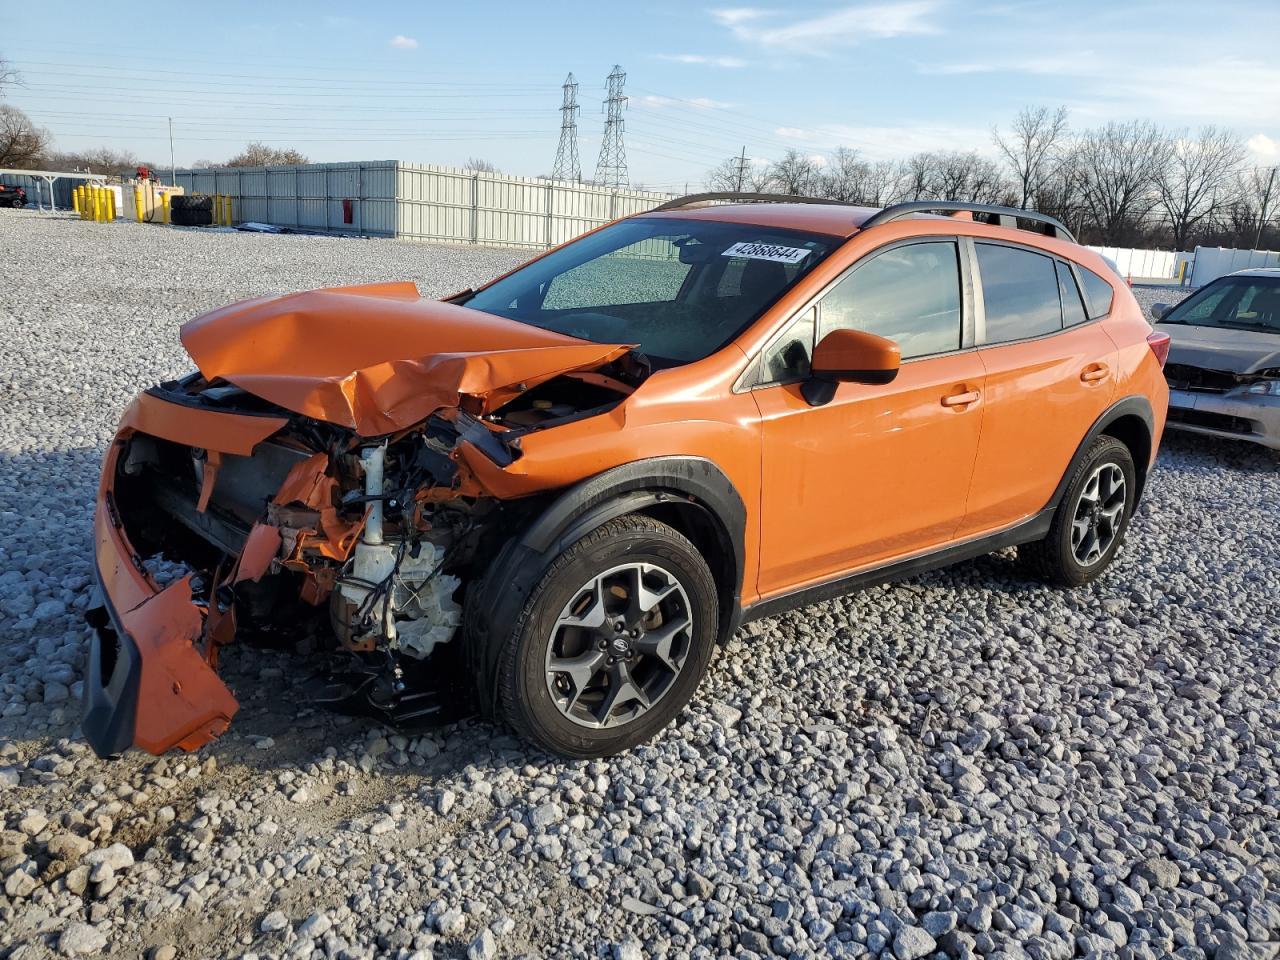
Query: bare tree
98	160
795	174
724	175
479	165
259	154
1032	147
22	144
882	184
844	176
9	75
1121	164
1197	180
915	177
1061	193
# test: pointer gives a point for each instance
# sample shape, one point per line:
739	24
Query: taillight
1159	344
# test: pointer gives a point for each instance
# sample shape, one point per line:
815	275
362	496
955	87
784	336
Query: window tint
1073	311
788	358
910	294
1097	294
1020	290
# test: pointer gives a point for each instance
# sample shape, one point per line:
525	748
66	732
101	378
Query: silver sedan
1224	362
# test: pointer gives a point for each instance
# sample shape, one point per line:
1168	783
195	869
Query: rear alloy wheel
1090	522
613	641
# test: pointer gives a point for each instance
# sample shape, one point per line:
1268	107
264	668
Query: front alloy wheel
612	642
619	645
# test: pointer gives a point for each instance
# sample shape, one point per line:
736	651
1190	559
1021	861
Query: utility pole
611	168
567	166
1266	202
173	167
742	168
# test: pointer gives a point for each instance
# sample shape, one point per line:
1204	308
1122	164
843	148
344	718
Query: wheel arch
691	494
1131	421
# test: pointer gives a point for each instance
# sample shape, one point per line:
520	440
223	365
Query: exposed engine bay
359	548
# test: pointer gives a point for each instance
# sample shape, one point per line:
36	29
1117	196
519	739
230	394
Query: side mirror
849	356
1158	310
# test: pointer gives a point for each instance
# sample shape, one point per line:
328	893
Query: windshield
679	289
1247	303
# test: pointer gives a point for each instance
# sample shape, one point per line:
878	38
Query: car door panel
1043	395
878	473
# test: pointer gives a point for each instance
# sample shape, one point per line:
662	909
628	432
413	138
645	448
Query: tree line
1126	184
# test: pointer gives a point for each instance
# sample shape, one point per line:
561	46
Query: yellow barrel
137	201
96	201
75	200
111	203
227	203
164	207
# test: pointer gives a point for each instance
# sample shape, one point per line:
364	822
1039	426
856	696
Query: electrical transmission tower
567	166
611	168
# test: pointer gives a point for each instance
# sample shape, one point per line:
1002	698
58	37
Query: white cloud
702	59
842	28
702	103
1264	147
401	42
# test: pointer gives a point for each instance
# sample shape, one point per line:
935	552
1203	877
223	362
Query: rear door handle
1095	372
961	399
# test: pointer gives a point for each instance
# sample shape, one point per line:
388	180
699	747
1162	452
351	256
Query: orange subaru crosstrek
551	498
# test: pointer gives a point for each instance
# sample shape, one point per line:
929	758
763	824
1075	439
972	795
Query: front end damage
223	515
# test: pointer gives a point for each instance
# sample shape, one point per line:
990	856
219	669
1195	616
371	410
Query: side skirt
1033	528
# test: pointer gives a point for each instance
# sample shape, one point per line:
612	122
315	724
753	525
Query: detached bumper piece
146	684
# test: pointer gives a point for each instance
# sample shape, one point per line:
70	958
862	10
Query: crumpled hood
379	358
1221	348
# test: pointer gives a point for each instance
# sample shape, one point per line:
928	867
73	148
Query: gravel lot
966	764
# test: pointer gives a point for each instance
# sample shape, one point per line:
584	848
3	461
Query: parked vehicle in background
12	196
1224	359
554	496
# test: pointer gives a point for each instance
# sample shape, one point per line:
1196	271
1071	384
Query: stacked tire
191	210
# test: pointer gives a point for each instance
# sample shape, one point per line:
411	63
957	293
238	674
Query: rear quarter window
1098	294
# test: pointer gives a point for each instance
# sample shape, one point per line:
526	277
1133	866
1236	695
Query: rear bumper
1235	416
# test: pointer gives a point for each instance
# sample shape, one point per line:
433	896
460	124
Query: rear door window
1020	292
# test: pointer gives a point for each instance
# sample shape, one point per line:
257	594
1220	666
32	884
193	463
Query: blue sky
438	83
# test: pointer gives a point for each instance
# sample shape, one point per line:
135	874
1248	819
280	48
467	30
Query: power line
611	168
567	166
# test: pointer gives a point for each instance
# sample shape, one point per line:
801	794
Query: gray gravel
966	764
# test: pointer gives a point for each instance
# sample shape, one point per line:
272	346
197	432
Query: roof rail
998	215
696	198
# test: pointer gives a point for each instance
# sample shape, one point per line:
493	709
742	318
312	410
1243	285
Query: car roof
1257	272
832	219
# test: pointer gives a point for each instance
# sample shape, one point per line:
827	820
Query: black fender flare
495	601
1133	406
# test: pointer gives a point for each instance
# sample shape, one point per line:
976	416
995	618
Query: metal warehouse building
391	198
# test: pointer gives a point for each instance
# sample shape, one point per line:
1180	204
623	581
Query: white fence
1214	262
1147	264
420	202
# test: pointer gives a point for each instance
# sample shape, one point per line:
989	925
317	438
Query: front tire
613	640
1090	522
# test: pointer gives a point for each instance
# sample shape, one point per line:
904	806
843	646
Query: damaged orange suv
551	498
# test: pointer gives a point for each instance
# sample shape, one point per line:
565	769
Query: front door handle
961	399
1095	373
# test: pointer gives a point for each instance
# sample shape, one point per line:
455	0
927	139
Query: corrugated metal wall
418	201
445	203
308	197
1214	262
38	189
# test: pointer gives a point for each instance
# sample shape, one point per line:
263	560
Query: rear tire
1091	520
613	641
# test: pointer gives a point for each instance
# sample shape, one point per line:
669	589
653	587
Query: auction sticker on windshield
767	251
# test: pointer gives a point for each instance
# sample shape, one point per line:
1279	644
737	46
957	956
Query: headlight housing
1268	388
